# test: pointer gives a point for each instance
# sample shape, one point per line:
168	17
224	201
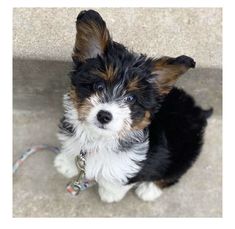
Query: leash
31	151
74	187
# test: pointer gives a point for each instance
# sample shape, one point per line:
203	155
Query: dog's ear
92	36
167	70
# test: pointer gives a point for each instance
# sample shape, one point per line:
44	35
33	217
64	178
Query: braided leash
31	151
74	187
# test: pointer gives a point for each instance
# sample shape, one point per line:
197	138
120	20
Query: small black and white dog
124	111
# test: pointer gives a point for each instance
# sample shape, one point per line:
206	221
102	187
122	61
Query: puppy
123	110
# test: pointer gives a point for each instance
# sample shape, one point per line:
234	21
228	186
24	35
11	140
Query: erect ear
167	70
92	36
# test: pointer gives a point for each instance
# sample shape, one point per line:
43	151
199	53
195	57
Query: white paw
148	191
65	166
107	196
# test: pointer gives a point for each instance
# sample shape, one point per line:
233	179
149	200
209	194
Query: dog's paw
107	196
148	191
64	166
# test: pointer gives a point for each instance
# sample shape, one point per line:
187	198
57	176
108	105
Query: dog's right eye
99	86
130	99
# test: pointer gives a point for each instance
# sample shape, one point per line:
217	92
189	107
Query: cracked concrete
42	44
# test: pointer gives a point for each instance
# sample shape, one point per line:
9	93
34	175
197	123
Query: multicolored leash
31	151
74	187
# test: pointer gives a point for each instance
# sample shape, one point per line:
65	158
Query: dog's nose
104	117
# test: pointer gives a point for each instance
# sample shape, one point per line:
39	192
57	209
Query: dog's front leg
112	192
65	163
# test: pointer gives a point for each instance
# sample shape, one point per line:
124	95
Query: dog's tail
207	113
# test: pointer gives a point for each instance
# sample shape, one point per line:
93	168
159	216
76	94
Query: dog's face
114	90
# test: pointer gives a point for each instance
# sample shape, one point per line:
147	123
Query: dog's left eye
129	99
99	86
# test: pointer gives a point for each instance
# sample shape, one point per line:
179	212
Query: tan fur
88	34
167	74
133	85
144	122
83	108
161	184
109	74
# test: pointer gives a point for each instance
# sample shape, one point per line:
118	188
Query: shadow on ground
38	190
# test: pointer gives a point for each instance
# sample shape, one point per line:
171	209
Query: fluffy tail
207	113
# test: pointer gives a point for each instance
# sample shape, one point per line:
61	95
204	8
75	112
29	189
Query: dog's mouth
100	126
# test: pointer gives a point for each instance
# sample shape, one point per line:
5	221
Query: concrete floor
42	44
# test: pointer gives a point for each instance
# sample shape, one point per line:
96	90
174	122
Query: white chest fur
104	159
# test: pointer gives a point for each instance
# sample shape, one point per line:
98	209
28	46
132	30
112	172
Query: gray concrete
48	33
42	46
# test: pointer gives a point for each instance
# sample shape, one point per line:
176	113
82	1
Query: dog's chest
105	160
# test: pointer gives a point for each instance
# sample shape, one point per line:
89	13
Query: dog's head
114	90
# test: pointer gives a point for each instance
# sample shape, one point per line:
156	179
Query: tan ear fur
168	70
92	36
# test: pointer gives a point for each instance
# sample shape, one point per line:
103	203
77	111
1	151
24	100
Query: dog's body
123	111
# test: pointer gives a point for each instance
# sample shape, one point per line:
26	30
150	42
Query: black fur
66	128
176	138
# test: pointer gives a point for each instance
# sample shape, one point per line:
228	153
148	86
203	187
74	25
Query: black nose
104	117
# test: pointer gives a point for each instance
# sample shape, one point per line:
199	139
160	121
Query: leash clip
80	183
